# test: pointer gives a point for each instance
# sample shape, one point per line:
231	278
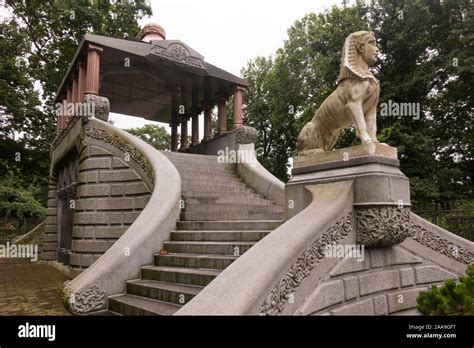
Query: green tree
36	46
22	126
453	298
18	202
154	135
258	113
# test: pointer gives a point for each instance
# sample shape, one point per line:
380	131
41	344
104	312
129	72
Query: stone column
93	69
60	119
221	115
175	119
81	79
184	133
174	134
195	127
69	99
207	122
75	89
238	114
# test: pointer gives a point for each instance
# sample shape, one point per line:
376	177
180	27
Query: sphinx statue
354	102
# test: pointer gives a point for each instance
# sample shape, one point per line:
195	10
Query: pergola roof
140	77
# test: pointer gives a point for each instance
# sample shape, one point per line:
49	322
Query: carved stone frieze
85	301
246	135
443	246
100	106
276	300
382	226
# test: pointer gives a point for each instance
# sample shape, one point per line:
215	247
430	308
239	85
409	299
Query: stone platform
381	192
348	154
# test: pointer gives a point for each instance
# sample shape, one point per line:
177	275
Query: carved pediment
178	53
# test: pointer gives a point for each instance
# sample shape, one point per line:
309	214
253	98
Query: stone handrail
248	283
31	235
253	173
89	291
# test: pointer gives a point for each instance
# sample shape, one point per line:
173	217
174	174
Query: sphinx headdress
349	68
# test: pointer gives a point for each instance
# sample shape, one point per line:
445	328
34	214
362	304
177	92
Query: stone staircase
223	218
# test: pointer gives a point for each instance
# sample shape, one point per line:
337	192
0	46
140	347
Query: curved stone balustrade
257	176
88	292
457	251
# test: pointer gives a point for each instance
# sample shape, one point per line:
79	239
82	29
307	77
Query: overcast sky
227	32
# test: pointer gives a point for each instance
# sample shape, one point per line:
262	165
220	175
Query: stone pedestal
381	190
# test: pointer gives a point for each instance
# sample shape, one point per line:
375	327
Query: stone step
213	181
204	170
179	294
229	225
177	156
230	215
196	158
235	248
221	190
135	305
204	164
229	198
206	176
247	236
244	194
181	275
217	194
260	208
216	186
194	260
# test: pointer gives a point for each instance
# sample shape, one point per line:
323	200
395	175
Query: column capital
222	98
93	47
238	88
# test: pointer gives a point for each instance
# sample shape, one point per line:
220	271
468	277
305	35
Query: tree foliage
453	298
18	202
36	46
156	136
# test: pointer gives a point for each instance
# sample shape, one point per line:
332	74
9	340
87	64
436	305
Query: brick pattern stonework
114	184
386	282
110	195
49	240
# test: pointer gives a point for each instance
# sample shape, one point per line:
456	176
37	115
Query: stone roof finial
152	31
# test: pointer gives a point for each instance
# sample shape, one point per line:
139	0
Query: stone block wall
49	240
109	197
387	282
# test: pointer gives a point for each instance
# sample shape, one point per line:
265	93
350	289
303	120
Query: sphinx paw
367	141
